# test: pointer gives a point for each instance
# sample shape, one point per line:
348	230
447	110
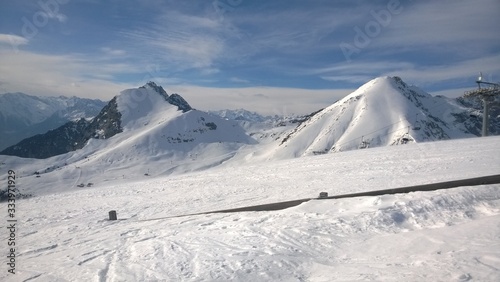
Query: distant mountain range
243	115
385	111
144	132
22	115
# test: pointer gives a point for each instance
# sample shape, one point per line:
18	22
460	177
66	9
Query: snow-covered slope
264	129
159	134
154	128
445	235
384	111
22	115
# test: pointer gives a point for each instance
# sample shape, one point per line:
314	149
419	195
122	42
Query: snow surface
445	235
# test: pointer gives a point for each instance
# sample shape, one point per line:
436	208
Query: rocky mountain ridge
23	116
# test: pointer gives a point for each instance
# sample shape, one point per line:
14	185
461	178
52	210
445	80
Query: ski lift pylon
406	137
416	126
364	144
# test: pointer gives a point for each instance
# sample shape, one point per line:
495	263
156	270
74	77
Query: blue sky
273	57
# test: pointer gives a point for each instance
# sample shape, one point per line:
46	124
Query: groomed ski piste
443	235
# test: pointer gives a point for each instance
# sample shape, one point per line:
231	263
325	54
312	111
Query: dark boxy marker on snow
112	215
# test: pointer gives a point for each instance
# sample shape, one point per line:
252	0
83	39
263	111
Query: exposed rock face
177	100
55	142
174	99
106	124
69	137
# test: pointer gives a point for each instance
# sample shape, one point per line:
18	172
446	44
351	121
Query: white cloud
51	75
181	41
468	26
113	52
452	93
265	38
57	16
362	68
425	75
294	30
239	80
13	40
209	71
199	41
348	78
264	100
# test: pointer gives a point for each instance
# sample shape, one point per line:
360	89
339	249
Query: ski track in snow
445	235
394	237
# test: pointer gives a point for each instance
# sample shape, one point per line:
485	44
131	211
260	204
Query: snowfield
446	235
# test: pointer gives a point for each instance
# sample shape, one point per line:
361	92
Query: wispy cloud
239	80
41	74
202	40
422	74
347	78
113	52
49	75
360	68
431	24
56	16
294	30
286	44
264	100
427	75
13	40
183	41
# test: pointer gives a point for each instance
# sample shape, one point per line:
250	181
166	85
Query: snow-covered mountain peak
174	99
384	111
139	124
386	86
141	105
157	88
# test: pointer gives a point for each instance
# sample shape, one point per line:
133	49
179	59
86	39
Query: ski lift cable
380	129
